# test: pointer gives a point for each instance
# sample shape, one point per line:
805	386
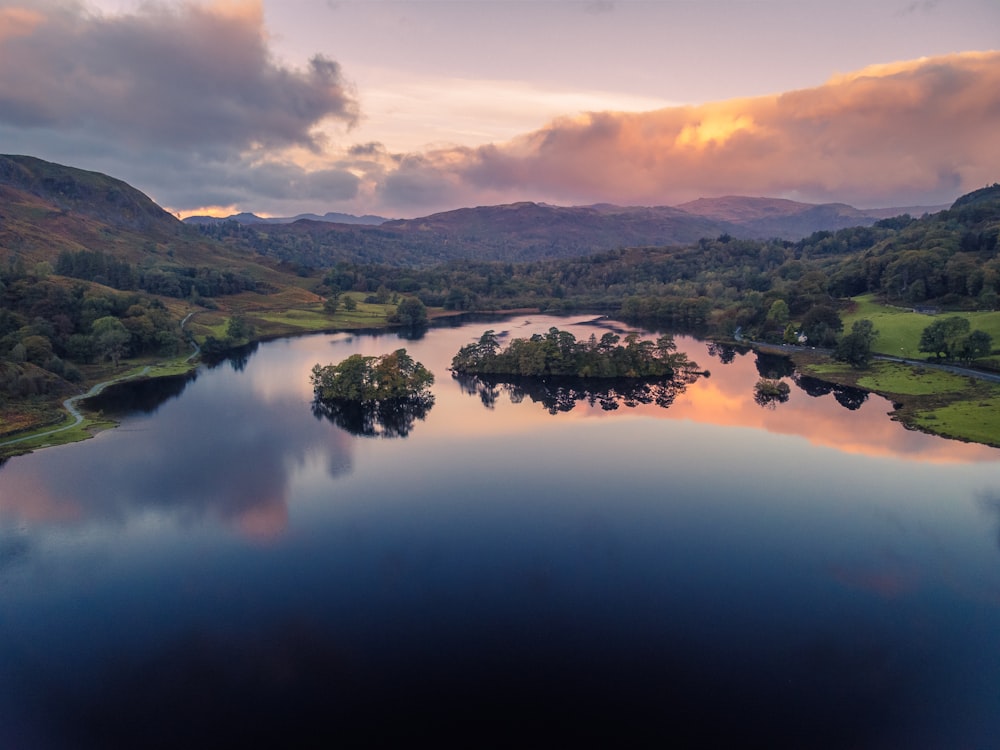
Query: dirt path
70	403
70	406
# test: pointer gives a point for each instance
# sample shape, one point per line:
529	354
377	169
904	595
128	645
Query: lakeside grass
39	438
975	419
276	320
941	403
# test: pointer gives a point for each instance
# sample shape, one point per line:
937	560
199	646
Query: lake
228	568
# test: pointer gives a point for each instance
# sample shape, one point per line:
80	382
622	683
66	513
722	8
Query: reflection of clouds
13	550
843	419
846	419
214	459
990	502
887	582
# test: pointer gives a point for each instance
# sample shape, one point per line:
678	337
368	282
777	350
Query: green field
899	328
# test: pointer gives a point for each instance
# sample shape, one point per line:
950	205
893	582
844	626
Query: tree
331	304
942	337
111	339
821	326
238	329
856	347
977	344
350	304
410	312
366	379
777	315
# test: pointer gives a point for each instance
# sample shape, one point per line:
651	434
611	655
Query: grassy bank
941	403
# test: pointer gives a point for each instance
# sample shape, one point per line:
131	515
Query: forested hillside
525	232
949	259
89	270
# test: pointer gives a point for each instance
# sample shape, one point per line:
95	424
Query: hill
763	218
529	231
48	210
249	218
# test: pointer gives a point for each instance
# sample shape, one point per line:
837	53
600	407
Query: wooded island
558	353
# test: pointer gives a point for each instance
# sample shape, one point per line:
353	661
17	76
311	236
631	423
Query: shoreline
909	409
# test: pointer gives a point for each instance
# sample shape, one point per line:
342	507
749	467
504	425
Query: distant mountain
46	208
764	218
564	228
529	231
248	218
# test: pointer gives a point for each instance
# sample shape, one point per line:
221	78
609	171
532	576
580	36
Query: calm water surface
226	567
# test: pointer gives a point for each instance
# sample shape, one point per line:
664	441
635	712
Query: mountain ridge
246	217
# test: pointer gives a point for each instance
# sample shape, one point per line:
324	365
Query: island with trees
373	396
557	371
558	353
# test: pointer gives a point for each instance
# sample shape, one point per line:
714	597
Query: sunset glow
404	109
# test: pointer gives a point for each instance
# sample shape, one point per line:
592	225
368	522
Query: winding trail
70	406
70	403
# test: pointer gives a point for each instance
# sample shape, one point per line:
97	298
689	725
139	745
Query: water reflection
845	395
560	395
390	418
219	457
237	358
768	393
141	396
990	502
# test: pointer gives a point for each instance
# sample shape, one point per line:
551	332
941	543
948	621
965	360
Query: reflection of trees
412	333
562	394
144	396
813	386
725	352
387	418
846	396
850	398
237	358
774	366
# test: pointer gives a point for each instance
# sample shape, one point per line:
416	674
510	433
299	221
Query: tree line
558	353
168	281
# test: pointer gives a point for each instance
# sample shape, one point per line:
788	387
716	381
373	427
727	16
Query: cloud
179	76
916	132
189	103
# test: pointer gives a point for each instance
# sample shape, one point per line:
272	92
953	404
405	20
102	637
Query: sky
403	109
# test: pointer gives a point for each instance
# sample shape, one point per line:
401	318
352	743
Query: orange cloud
922	131
18	22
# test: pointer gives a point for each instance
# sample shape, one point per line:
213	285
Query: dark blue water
226	568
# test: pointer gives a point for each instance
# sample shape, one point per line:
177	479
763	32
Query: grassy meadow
899	328
928	399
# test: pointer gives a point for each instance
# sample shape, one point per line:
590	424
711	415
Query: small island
366	379
558	354
373	396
